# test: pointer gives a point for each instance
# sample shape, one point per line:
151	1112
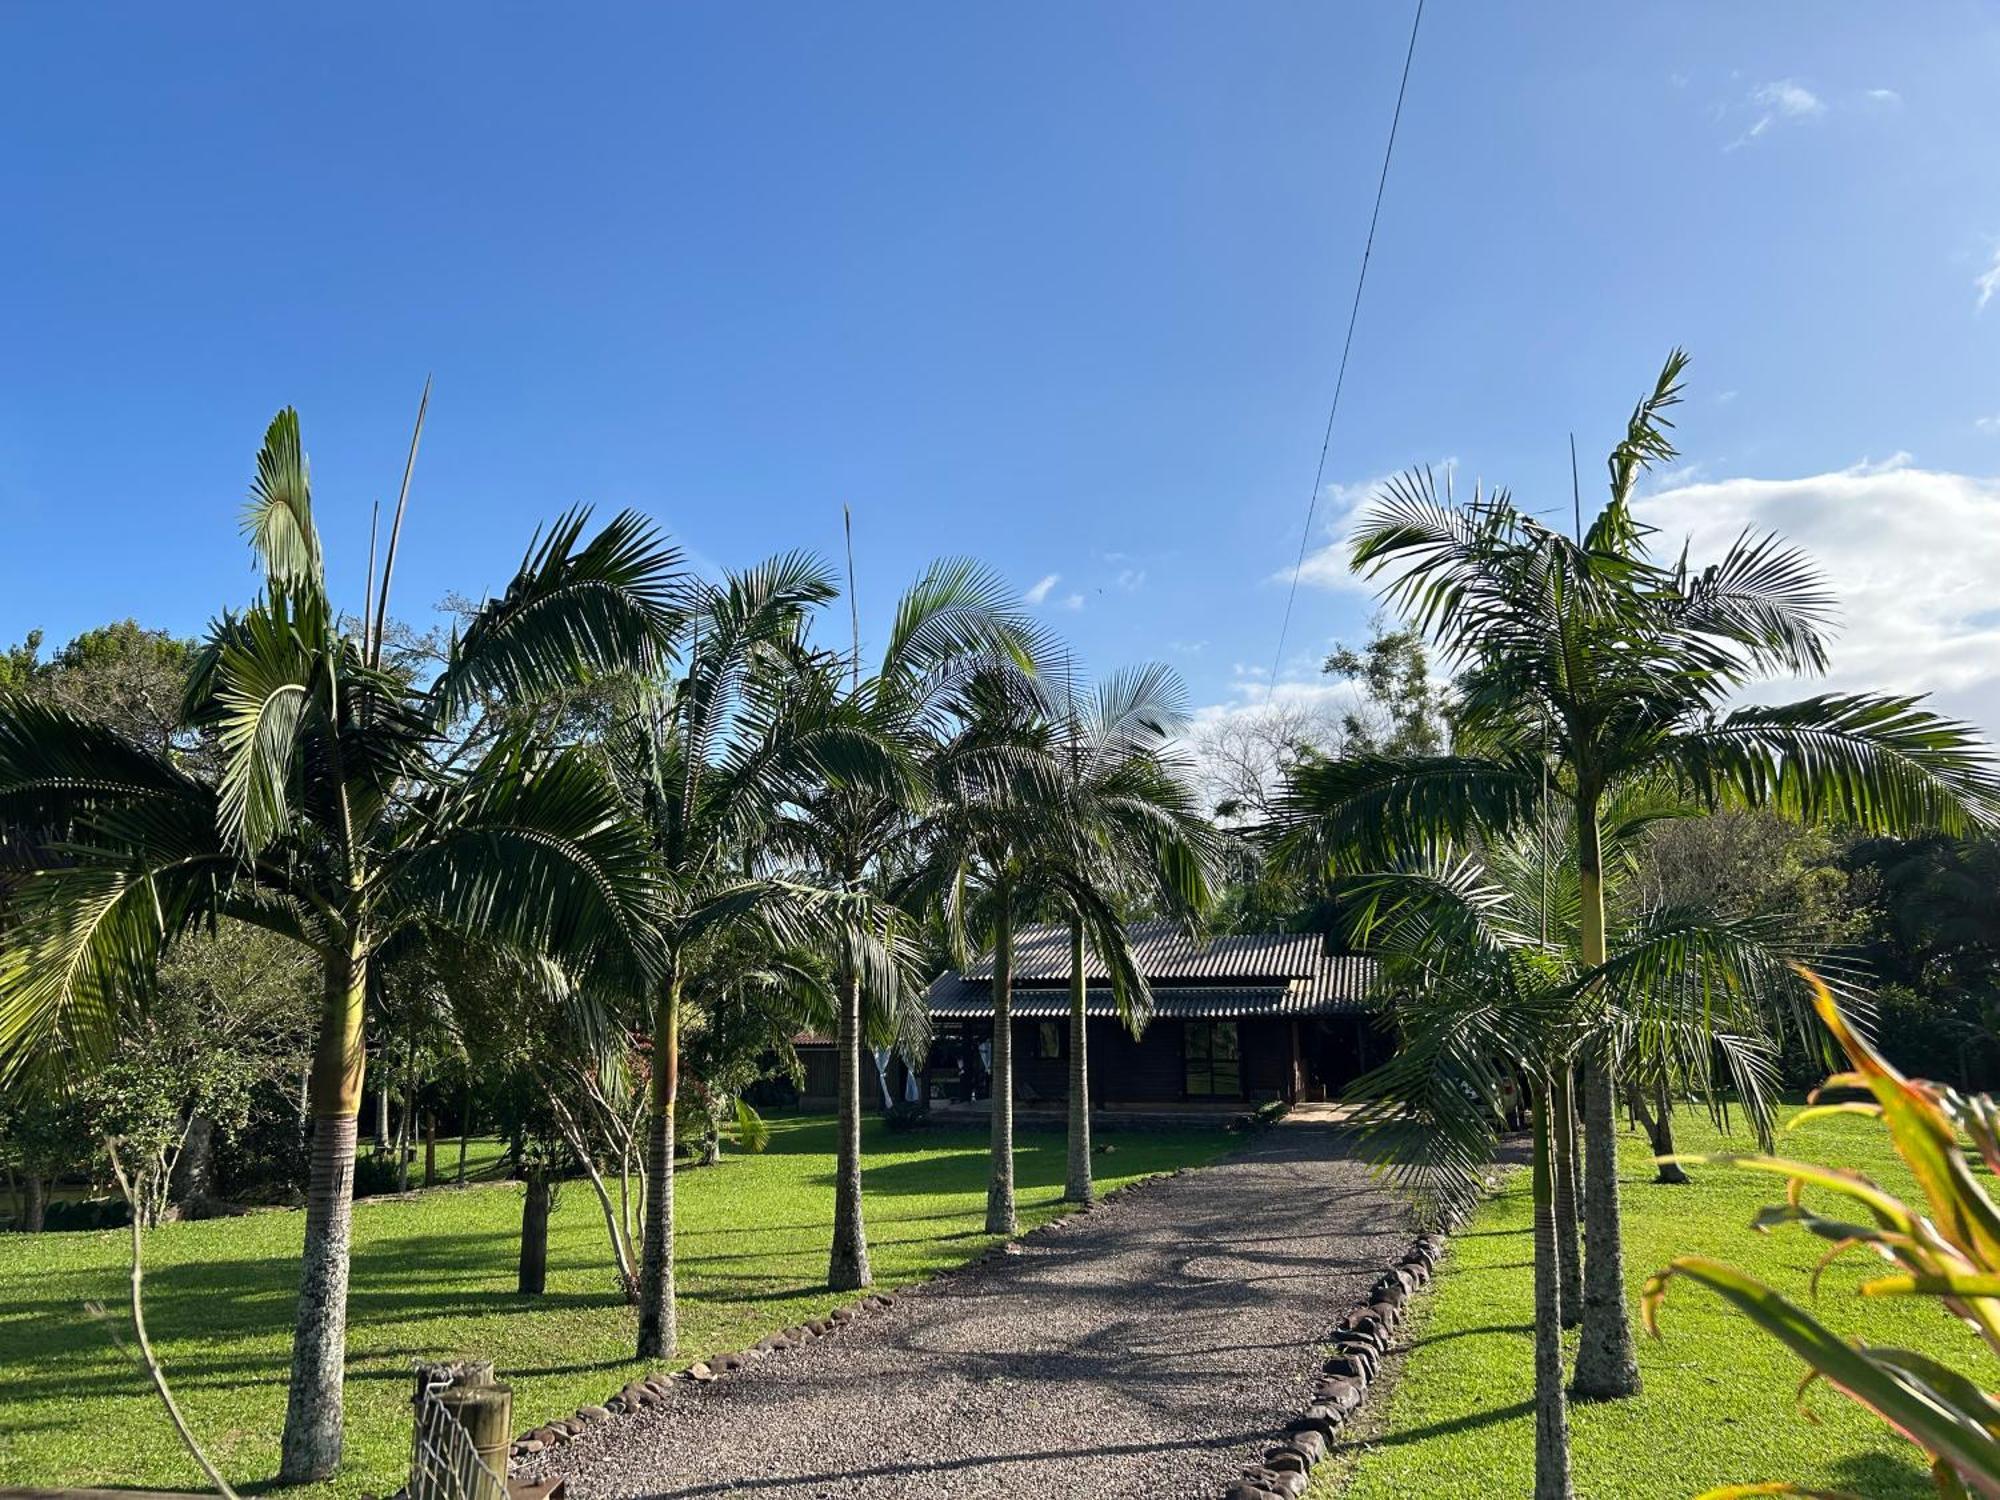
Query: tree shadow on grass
1877	1474
1467	1423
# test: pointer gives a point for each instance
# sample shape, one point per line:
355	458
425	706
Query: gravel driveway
1149	1348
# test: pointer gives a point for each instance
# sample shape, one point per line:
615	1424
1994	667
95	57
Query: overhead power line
1346	348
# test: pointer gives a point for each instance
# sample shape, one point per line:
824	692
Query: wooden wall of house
1149	1069
1145	1070
821	1088
1267	1058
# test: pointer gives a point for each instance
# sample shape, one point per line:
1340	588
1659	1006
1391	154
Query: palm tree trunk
464	1128
1562	1133
847	1267
1551	1411
34	1202
381	1117
1078	1188
313	1411
1000	1185
533	1277
659	1330
1607	1365
430	1148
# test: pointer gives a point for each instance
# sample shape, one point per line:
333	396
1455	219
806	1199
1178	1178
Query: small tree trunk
382	1118
534	1271
1078	1187
34	1202
1552	1481
847	1268
1657	1120
310	1449
192	1181
406	1134
464	1129
430	1149
1562	1135
659	1329
1607	1364
1000	1185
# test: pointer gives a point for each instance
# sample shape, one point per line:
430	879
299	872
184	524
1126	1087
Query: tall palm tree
1483	975
851	830
705	764
1049	803
1590	661
1131	820
339	816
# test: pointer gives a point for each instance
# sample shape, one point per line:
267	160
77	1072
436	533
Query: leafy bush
1951	1254
907	1114
88	1213
375	1175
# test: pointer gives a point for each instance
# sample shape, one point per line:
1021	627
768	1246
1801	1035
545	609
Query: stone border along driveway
1155	1345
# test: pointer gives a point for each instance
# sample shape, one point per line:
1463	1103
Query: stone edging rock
1360	1341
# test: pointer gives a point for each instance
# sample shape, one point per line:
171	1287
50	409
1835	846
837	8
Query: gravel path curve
1149	1348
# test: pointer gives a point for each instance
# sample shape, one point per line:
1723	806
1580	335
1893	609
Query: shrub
907	1114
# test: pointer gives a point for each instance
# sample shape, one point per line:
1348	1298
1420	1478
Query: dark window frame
1198	1061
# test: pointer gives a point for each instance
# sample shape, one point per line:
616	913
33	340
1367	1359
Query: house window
1048	1039
1214	1060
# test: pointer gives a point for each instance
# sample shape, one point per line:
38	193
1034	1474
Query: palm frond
608	604
1876	761
279	518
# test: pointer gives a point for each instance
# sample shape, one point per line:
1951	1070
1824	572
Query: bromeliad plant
1950	1252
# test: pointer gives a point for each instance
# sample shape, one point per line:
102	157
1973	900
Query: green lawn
434	1277
1718	1405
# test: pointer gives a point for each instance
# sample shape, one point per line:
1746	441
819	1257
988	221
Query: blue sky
1059	286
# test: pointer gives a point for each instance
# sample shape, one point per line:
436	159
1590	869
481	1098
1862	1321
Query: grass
1718	1405
433	1278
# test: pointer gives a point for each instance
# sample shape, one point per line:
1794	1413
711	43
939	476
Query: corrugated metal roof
973	1001
1165	951
1263	974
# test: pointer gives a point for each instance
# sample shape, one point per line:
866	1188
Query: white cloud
1775	103
1987	424
1987	282
1913	556
1131	580
1326	566
1888	97
1788	97
1072	601
1040	591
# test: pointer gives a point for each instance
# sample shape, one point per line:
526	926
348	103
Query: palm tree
1131	818
1483	975
339	816
704	765
1048	804
851	831
1589	661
